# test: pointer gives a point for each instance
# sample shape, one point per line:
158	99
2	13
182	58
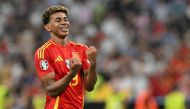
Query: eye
57	20
66	19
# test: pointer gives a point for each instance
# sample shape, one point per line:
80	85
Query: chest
60	59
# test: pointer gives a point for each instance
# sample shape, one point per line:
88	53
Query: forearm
91	78
55	88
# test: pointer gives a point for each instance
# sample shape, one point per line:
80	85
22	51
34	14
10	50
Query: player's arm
90	76
54	88
47	76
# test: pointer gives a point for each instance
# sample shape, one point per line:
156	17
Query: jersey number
74	81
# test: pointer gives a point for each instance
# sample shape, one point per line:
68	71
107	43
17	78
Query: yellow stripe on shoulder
42	49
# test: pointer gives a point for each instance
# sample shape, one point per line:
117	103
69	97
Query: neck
59	41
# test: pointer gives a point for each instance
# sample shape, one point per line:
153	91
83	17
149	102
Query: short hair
51	10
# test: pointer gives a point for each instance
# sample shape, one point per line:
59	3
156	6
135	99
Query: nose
65	23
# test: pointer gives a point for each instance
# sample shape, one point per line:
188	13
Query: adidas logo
59	58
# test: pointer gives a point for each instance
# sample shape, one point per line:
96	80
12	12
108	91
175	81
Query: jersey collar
51	41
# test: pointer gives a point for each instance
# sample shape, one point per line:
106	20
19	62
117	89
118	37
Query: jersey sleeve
85	62
42	63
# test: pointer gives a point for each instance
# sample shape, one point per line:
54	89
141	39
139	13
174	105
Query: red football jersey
52	57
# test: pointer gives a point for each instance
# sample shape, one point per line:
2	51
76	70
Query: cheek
55	28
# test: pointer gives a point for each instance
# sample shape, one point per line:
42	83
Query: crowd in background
143	51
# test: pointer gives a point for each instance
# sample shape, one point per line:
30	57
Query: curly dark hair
51	10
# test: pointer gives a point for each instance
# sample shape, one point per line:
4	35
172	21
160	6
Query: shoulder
42	50
78	45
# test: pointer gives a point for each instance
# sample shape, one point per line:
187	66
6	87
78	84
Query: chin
64	33
63	36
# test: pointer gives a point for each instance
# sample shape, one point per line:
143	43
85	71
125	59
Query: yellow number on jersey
74	81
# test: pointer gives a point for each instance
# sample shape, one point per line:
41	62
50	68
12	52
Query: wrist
92	62
93	67
72	74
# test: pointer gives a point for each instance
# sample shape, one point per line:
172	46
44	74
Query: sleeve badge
44	64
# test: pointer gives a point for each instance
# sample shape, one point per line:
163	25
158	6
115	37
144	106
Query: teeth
63	27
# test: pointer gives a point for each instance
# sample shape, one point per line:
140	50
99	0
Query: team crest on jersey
44	64
67	62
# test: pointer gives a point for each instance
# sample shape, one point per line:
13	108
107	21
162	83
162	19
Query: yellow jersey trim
42	50
56	103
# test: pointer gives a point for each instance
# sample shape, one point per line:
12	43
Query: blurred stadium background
143	59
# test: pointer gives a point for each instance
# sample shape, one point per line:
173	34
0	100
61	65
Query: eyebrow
60	17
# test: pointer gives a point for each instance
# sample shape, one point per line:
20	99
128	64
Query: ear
47	27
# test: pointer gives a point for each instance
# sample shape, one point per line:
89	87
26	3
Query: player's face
59	25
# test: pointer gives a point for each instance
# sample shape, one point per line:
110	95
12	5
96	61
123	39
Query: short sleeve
42	65
85	62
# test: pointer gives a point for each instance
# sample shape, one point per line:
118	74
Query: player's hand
75	65
91	54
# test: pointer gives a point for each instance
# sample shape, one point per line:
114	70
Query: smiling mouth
64	27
